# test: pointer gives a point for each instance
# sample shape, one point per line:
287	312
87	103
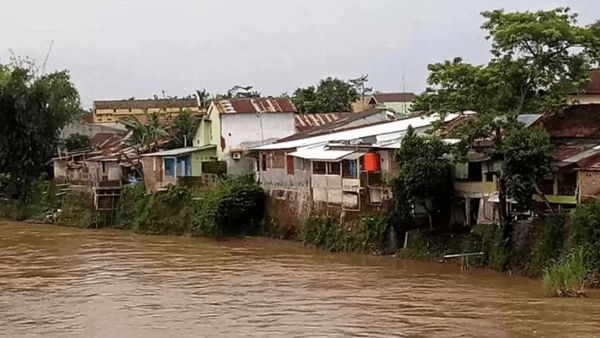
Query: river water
65	282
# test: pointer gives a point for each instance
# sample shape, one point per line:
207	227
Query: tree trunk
539	191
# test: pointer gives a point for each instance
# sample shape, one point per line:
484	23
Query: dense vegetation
537	60
330	95
424	176
366	234
234	208
33	109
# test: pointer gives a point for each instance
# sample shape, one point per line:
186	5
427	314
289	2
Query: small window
319	168
489	176
169	167
333	168
290	165
349	169
475	173
263	162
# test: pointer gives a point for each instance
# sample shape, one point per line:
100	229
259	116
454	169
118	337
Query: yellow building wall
113	115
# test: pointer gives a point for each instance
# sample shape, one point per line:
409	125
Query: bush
550	244
131	204
585	232
365	235
77	211
566	278
236	207
166	213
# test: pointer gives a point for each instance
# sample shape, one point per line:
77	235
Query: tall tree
33	110
145	136
305	100
537	60
424	174
331	95
183	130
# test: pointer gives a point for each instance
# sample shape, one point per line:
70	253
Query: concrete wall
401	108
239	130
153	173
103	171
586	99
242	131
209	132
113	115
88	129
289	196
60	169
588	182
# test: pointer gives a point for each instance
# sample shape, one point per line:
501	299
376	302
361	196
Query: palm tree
144	136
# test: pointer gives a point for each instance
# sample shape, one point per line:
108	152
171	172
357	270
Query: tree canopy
330	95
33	110
424	173
77	141
537	60
183	130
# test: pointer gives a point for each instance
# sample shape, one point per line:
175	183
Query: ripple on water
70	282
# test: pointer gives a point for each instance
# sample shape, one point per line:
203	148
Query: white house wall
238	129
243	131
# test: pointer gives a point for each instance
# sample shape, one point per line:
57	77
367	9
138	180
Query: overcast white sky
118	49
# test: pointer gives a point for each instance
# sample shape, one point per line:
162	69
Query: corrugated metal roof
383	131
528	119
578	121
321	153
178	151
580	154
308	121
393	97
256	105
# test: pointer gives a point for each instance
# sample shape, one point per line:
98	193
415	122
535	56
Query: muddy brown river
65	282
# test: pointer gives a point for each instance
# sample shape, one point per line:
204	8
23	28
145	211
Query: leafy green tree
424	174
538	59
144	136
183	130
331	95
528	158
33	110
305	100
77	141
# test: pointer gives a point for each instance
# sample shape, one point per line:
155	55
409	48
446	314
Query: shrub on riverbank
549	245
585	233
566	278
236	207
426	244
166	213
365	235
40	201
77	210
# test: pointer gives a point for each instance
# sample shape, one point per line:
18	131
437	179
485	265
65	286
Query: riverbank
236	208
